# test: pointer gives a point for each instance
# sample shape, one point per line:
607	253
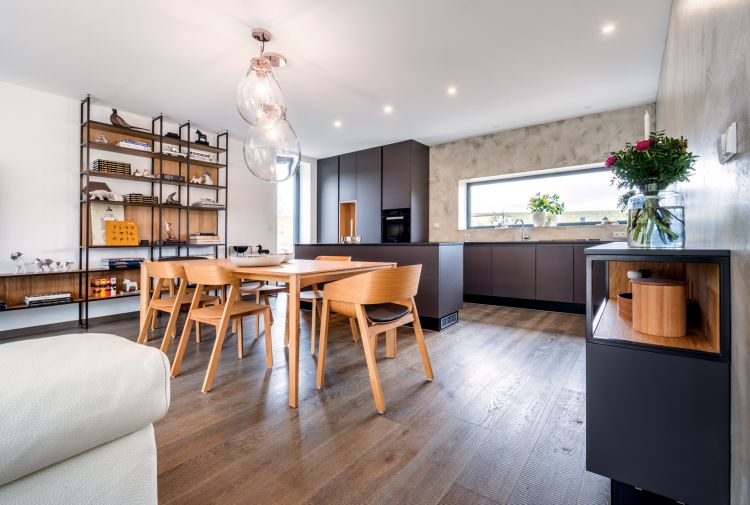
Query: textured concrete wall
576	141
704	86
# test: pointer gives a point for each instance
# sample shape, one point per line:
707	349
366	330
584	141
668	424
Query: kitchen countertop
537	242
389	244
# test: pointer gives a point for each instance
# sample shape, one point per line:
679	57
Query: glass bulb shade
260	101
272	153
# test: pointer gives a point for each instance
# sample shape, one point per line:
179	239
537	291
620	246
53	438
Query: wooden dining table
297	274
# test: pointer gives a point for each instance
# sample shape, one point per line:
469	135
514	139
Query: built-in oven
396	225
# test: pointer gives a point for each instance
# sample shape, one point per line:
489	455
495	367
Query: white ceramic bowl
257	260
287	257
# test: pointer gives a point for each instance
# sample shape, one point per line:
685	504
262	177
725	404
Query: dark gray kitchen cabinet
328	200
397	175
478	269
579	274
554	273
347	177
368	190
514	271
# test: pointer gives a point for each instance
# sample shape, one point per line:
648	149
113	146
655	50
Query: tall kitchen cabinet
328	200
369	190
406	183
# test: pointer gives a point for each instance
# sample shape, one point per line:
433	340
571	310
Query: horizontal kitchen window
587	194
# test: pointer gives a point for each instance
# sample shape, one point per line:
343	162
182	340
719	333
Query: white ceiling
515	63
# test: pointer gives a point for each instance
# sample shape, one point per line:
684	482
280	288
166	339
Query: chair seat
168	302
310	295
239	309
265	288
385	312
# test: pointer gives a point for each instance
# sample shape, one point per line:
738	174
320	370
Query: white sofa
76	414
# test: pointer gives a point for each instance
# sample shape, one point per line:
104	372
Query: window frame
534	175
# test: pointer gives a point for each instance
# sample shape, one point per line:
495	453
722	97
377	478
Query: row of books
114	263
204	239
47	299
134	144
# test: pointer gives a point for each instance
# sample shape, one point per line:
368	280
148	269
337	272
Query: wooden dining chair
168	275
219	316
315	297
262	291
381	301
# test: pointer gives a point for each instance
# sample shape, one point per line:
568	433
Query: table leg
144	286
292	326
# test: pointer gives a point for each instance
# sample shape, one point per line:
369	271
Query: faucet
523	229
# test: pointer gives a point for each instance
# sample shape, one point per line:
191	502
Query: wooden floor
503	423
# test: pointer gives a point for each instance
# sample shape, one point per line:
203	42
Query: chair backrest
166	270
333	258
381	286
210	275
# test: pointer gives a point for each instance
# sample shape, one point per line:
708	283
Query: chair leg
171	331
257	315
422	345
181	348
197	332
267	336
208	381
143	334
240	340
267	301
353	326
372	365
312	326
390	343
322	345
153	321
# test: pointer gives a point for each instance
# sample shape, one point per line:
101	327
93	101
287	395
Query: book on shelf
205	239
47	299
114	263
134	144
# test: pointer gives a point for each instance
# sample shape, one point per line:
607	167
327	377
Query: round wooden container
659	307
625	306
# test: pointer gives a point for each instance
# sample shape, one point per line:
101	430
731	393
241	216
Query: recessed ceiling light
608	28
451	90
337	124
388	109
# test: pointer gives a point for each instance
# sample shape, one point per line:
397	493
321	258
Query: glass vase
656	220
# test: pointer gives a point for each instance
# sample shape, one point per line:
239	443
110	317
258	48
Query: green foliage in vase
549	204
652	164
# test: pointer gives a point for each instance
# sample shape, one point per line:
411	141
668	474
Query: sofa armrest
64	395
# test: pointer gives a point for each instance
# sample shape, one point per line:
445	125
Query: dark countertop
592	242
622	249
388	244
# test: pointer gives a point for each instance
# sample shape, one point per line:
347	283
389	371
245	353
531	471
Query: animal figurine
102	194
169	230
69	265
261	250
58	266
100	139
129	285
172	200
117	120
196	180
206	179
202	138
43	265
142	172
17	258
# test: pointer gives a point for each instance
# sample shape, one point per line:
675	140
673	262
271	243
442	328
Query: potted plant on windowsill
545	209
656	215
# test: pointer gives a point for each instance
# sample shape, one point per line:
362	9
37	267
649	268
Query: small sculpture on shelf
142	172
206	179
172	199
100	139
43	265
169	230
196	180
128	286
202	138
101	194
117	120
261	250
17	258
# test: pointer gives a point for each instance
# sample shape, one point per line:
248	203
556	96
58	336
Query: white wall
39	168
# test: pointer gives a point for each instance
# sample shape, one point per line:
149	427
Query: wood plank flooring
503	422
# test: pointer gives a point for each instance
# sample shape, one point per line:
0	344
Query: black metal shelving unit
156	246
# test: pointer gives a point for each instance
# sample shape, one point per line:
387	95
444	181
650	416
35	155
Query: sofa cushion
64	395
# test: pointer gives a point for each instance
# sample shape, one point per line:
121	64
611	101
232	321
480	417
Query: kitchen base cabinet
554	273
514	271
477	268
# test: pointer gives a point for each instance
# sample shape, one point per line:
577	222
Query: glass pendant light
272	153
260	101
259	98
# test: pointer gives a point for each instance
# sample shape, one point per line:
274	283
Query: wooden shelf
24	306
150	154
612	327
98	125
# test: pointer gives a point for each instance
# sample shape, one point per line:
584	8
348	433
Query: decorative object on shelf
172	150
207	202
196	180
111	167
120	263
656	216
625	300
117	120
134	144
271	150
660	307
128	286
172	135
545	209
104	287
143	172
101	139
201	156
100	214
173	177
43	299
43	265
605	221
17	258
101	194
141	198
261	250
205	238
239	250
169	231
121	233
202	138
206	179
172	199
260	101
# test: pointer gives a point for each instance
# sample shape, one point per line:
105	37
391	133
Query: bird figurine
117	120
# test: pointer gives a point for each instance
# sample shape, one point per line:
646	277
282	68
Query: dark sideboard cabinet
395	176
